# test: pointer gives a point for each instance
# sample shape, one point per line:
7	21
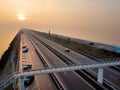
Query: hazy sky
96	20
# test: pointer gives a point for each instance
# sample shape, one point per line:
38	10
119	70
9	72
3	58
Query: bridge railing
45	70
7	81
70	67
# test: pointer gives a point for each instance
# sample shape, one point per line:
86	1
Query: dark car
27	67
91	43
25	50
28	80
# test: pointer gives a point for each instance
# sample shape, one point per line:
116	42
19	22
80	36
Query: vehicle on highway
91	43
25	49
28	80
27	67
67	50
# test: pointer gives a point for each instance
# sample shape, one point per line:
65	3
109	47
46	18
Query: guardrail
49	70
7	82
80	66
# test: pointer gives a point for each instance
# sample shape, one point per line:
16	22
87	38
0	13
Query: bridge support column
22	87
100	75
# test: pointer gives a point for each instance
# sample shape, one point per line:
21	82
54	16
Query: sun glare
21	17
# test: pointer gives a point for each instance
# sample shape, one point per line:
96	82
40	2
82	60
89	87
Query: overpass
48	70
37	72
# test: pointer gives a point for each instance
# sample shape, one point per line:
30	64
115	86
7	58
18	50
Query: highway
96	44
66	79
46	56
43	82
110	75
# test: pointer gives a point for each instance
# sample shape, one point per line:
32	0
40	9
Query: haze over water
94	20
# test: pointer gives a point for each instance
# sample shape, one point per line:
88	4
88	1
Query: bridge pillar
100	75
22	87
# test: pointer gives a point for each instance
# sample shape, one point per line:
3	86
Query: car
25	49
67	50
27	67
28	80
91	43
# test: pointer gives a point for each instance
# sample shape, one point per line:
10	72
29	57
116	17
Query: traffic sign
117	49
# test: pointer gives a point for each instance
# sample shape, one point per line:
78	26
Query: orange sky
97	20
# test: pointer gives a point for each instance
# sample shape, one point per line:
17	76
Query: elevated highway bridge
19	74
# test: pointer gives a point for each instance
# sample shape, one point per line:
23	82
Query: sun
21	17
